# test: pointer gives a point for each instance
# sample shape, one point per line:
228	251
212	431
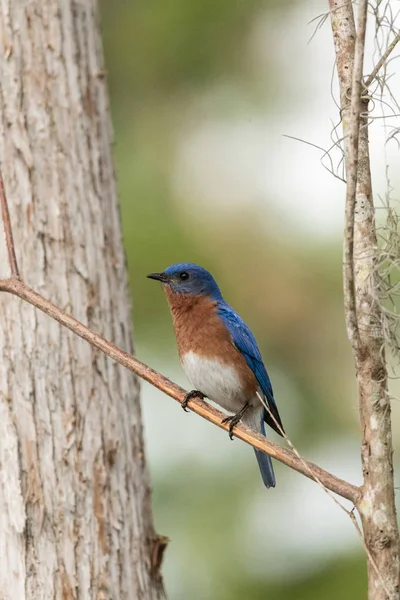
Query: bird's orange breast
199	329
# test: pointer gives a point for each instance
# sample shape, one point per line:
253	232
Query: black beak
158	277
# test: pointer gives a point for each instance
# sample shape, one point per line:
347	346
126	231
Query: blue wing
245	342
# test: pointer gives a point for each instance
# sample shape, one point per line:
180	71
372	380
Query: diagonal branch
343	488
382	60
17	287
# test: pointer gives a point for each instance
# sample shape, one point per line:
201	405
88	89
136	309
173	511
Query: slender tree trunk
75	513
364	319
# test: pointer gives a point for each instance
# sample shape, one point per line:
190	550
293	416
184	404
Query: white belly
217	381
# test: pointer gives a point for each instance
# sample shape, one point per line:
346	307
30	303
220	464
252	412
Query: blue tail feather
265	462
266	468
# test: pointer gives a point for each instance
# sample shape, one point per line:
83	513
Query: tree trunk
75	513
377	507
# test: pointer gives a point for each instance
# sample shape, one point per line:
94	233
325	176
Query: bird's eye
184	276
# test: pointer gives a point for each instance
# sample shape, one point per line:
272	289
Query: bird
219	354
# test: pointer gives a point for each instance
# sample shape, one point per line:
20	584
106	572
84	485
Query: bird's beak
158	277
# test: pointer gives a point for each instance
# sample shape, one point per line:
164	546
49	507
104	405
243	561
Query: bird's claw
234	420
189	396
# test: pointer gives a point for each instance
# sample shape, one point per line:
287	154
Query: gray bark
75	513
364	319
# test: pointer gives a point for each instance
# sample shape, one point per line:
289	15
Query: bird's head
188	279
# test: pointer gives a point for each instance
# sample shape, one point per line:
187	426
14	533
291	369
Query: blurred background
203	94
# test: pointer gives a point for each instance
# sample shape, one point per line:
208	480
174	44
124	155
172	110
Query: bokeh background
203	94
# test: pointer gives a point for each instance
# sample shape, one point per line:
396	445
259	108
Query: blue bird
219	353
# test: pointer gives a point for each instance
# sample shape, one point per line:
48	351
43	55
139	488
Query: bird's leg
233	420
189	396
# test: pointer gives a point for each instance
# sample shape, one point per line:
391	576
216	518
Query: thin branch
382	60
343	33
17	287
8	230
356	107
294	449
343	488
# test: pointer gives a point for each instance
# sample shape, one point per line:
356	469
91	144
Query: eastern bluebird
219	354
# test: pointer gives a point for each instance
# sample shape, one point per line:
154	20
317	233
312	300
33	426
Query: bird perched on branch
219	354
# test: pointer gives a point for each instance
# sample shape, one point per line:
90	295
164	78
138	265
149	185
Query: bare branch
17	287
12	259
294	449
343	27
382	61
343	488
351	176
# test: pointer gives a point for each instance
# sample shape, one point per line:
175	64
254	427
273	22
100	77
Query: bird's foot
189	396
233	420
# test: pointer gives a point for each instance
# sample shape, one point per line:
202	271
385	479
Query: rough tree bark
75	513
364	319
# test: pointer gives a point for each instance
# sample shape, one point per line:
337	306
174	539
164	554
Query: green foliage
344	579
158	47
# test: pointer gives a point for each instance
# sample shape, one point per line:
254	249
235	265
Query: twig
12	259
343	488
382	61
296	452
